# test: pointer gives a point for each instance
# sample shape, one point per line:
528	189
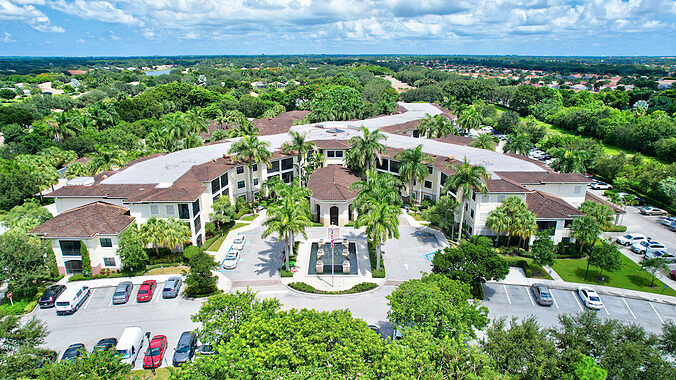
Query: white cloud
7	38
113	36
25	12
94	10
80	41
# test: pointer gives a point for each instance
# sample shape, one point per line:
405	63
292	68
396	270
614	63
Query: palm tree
193	140
435	126
363	154
469	119
378	187
299	146
412	168
518	143
175	126
252	151
219	134
603	214
485	141
60	125
103	115
585	230
196	121
524	224
382	223
105	158
467	178
569	161
153	232
289	216
499	221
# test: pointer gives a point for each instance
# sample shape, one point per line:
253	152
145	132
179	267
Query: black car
185	348
205	349
73	352
105	344
50	295
47	357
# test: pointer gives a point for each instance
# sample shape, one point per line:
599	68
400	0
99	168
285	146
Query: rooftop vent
81	181
335	130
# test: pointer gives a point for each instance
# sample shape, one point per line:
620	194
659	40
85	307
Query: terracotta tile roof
332	144
455	139
207	171
97	218
593	198
280	123
175	193
98	190
543	177
504	186
332	182
546	206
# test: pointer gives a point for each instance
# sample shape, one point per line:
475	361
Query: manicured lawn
160	373
535	271
249	218
168	270
217	244
629	277
418	217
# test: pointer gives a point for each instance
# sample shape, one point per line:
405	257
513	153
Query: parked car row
649	210
67	300
669	222
232	257
129	346
644	245
600	185
543	296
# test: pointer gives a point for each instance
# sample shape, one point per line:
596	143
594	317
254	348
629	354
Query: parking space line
507	294
530	296
655	310
577	301
604	306
157	299
91	295
627	305
555	303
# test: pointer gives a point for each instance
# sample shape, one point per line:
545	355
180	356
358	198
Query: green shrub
210	230
614	229
568	250
372	257
51	261
190	251
86	261
24	304
285	273
305	288
478	291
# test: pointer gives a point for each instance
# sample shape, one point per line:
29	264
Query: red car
155	352
145	292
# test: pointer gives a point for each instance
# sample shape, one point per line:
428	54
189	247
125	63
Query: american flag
332	238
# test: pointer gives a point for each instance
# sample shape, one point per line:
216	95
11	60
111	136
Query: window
567	223
431	170
255	181
471	213
255	167
198	224
274	167
501	198
240	169
382	165
70	247
214	199
330	153
183	212
394	166
473	196
215	186
287	164
240	184
470	229
485	198
199	241
339	153
466	206
577	190
444	177
196	207
428	184
169	209
154	210
287	177
224	180
565	240
547	225
108	261
106	242
427	196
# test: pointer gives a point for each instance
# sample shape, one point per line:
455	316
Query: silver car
171	287
542	294
122	292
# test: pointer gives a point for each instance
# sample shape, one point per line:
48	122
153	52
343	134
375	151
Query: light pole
152	357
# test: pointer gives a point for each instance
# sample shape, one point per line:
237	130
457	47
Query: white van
71	299
129	345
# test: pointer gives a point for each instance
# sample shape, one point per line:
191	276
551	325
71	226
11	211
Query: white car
601	186
590	298
666	256
630	239
667	221
644	246
239	242
231	260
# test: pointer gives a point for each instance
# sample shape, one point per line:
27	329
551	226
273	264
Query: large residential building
184	184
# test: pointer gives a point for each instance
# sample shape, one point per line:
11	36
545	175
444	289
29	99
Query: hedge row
361	287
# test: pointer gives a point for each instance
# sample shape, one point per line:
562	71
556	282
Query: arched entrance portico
333	215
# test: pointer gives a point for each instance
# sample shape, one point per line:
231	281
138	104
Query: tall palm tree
524	224
485	141
382	223
252	151
363	154
499	221
196	121
518	143
177	233
467	178
192	140
569	161
412	168
106	158
603	214
299	146
378	187
435	126
153	232
103	115
175	126
287	217
469	119
60	125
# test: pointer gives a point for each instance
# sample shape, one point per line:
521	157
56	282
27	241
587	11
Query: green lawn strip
372	257
629	277
418	217
217	244
531	270
160	373
249	218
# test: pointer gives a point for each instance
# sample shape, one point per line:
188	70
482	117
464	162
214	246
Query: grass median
630	276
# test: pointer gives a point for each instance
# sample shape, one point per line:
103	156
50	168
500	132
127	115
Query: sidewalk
109	282
256	224
516	277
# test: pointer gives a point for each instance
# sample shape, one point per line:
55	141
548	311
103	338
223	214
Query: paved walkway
255	225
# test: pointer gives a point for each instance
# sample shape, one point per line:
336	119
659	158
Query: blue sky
170	27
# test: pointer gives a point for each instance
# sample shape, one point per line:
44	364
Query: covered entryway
333	215
318	212
73	266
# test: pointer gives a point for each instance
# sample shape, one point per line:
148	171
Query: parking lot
405	258
98	318
518	301
260	259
